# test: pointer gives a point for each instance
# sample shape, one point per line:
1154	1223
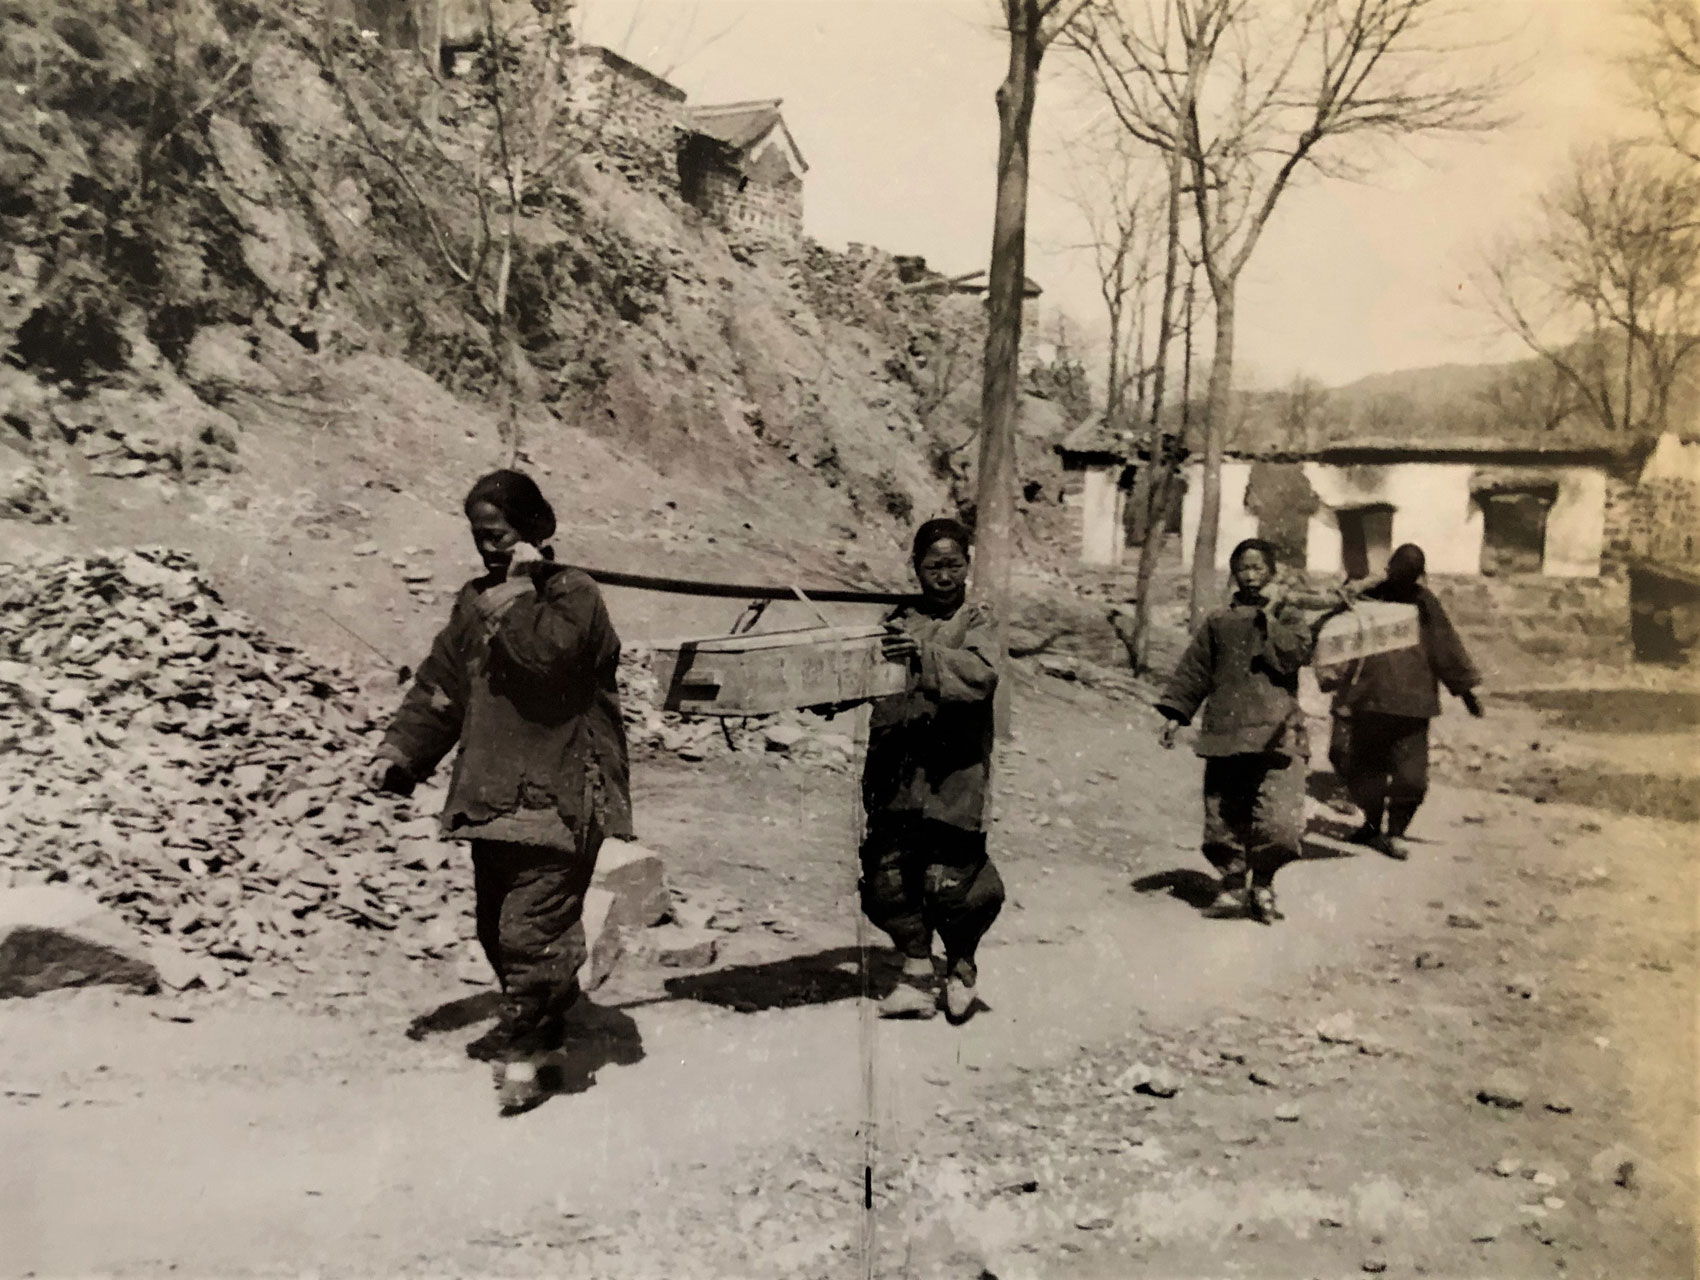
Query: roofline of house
1350	454
621	63
1109	457
731	108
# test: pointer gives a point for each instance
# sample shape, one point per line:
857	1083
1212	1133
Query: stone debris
205	782
678	947
1156	1081
52	936
1615	1166
634	877
1339	1028
603	939
1504	1090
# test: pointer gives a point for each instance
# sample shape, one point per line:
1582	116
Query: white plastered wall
1432	507
1101	510
1576	524
1236	523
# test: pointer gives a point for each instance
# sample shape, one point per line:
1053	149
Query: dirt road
717	1127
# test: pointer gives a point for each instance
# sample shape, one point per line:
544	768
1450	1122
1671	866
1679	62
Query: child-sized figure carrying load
1383	705
1243	667
924	864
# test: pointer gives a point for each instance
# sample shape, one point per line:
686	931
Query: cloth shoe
1229	904
518	1086
1261	906
959	992
915	995
1231	900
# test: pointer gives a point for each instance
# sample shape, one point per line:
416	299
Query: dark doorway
1366	538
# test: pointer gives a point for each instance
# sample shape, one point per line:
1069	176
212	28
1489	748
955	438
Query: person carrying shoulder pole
522	679
1242	667
925	869
1381	714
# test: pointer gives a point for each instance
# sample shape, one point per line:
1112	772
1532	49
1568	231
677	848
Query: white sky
891	102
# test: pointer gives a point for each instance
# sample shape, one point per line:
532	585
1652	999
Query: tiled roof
737	124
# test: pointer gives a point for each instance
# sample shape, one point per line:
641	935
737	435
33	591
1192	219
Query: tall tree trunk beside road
1032	26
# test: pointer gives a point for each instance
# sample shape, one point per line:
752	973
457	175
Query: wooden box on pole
1368	627
761	673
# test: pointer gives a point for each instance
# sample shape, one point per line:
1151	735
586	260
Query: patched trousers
1254	814
921	877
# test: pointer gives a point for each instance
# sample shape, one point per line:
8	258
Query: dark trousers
530	909
1254	807
920	878
1383	760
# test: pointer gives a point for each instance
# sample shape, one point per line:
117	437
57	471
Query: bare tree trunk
1164	492
1216	408
995	499
1155	487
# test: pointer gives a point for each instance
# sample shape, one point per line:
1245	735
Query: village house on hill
739	164
735	162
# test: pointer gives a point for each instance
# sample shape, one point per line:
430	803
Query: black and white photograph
849	639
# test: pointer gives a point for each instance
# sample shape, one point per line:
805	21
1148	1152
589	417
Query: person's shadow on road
1195	888
819	978
596	1036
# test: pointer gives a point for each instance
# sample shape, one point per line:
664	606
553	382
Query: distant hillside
1520	404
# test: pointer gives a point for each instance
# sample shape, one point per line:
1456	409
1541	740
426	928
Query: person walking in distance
925	869
1383	705
1242	668
522	677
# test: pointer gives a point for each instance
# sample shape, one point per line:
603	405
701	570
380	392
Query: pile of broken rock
168	771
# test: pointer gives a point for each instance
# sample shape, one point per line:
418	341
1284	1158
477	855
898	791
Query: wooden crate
764	672
1370	626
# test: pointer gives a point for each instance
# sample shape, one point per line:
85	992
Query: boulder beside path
53	936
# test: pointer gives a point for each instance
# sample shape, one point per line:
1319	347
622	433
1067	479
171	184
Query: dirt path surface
1149	1093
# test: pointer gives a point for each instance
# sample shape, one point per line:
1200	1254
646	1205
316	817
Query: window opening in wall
1366	538
1514	531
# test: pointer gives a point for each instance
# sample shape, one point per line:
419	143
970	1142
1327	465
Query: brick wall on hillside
629	119
754	212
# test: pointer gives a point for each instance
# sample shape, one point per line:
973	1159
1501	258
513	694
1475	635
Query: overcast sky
891	102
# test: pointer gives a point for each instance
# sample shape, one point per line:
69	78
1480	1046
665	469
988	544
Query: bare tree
1532	392
469	156
1249	94
1606	287
1123	212
1665	70
1033	26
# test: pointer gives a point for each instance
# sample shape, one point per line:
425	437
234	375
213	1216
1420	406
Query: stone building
632	116
1659	540
739	165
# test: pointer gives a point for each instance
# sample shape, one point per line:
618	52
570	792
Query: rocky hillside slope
235	318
